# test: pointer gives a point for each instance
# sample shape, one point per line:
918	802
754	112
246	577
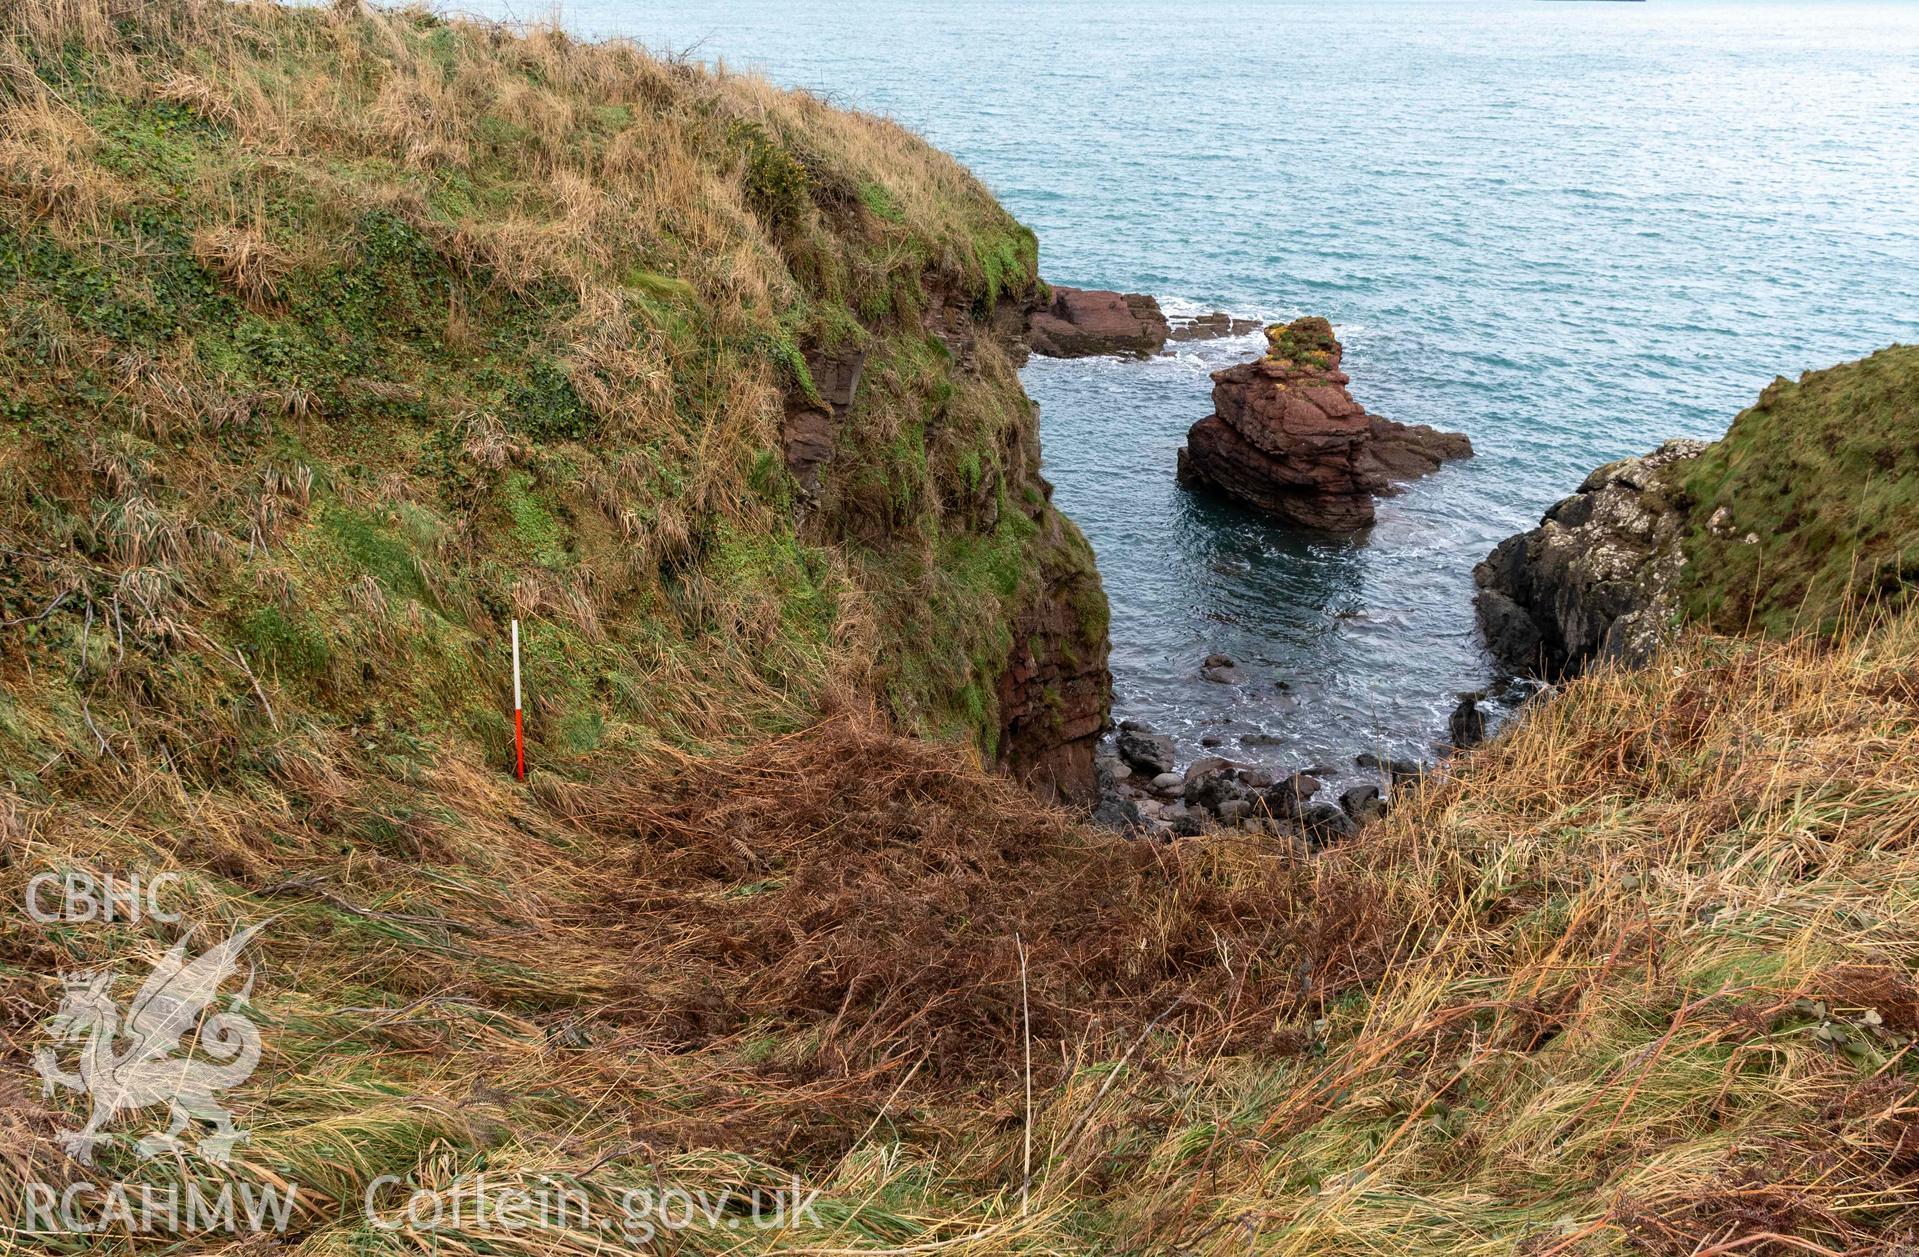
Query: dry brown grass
1666	947
1639	977
247	262
46	167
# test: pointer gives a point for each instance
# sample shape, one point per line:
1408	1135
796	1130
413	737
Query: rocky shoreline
1593	582
1096	322
1287	437
1690	532
1144	792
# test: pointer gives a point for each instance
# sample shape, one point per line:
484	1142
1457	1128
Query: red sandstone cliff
1033	677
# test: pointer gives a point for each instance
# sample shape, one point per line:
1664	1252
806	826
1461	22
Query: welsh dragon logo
133	1058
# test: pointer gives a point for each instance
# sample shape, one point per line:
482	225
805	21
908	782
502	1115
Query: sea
1571	230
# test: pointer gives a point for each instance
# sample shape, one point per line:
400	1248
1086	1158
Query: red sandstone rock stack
1287	437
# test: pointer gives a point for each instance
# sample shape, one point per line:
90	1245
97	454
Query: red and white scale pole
519	721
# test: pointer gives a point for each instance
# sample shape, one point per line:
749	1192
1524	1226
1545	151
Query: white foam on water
1182	307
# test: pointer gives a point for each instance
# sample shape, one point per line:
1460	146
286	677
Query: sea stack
1286	437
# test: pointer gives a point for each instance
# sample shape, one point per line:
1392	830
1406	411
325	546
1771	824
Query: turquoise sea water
1570	230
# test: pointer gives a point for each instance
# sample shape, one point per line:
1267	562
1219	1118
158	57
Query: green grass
1823	476
881	203
504	342
375	548
534	526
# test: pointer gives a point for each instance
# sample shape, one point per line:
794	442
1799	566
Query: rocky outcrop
1467	725
1056	692
1141	795
1594	581
1364	804
1287	437
1212	326
1144	750
812	421
1221	670
1087	322
954	317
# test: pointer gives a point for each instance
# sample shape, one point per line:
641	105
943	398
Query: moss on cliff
1807	510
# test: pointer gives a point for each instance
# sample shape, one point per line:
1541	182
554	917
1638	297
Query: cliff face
1054	692
1804	515
1002	635
1594	581
710	385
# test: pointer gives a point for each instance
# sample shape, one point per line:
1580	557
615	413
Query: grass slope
1639	978
330	341
1822	475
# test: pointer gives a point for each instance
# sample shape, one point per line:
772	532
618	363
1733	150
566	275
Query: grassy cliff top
330	340
1808	509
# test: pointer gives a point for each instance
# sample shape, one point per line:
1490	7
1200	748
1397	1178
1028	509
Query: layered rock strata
1087	322
1287	438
